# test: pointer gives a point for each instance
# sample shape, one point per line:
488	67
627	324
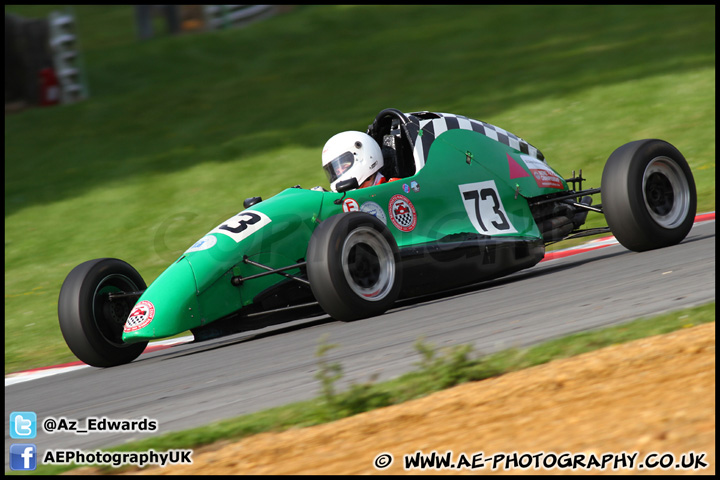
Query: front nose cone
169	306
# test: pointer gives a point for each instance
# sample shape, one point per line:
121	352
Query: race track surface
194	384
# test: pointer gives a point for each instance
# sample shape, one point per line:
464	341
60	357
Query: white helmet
351	154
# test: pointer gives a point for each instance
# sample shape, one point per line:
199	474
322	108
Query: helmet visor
338	166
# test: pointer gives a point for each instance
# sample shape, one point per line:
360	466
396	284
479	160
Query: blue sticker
208	241
375	210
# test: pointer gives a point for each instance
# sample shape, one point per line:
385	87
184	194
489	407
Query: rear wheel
91	323
648	195
353	266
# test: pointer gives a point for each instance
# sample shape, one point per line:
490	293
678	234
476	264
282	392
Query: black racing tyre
648	195
353	266
91	324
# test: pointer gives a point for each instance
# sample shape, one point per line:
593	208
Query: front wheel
648	195
353	266
91	323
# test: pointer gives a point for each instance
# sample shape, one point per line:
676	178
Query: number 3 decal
485	209
243	225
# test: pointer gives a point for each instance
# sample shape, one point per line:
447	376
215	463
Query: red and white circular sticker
140	316
402	213
350	205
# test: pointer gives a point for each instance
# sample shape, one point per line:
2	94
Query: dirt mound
655	395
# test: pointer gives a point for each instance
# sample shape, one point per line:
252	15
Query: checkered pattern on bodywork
403	215
433	127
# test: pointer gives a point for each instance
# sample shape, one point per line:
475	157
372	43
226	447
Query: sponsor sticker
208	241
374	209
350	205
402	213
543	174
140	316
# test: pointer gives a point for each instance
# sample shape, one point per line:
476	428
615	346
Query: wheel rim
368	264
110	316
666	192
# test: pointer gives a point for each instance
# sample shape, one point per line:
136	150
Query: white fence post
66	57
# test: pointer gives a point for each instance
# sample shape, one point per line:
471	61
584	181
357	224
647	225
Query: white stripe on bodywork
464	123
440	126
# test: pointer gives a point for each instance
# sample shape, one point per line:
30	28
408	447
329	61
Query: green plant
328	374
358	398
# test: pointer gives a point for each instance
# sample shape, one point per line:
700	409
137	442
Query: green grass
436	370
179	130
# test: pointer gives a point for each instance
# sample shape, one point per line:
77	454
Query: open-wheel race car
469	202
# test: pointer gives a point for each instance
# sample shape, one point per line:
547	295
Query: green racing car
462	202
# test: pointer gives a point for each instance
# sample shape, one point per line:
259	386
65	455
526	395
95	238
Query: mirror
345	185
249	202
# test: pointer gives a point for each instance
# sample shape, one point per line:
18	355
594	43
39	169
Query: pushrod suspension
238	280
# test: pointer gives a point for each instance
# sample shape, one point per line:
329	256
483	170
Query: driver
353	155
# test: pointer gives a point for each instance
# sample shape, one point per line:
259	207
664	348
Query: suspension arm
238	280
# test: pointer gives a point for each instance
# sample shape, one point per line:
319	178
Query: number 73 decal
485	209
